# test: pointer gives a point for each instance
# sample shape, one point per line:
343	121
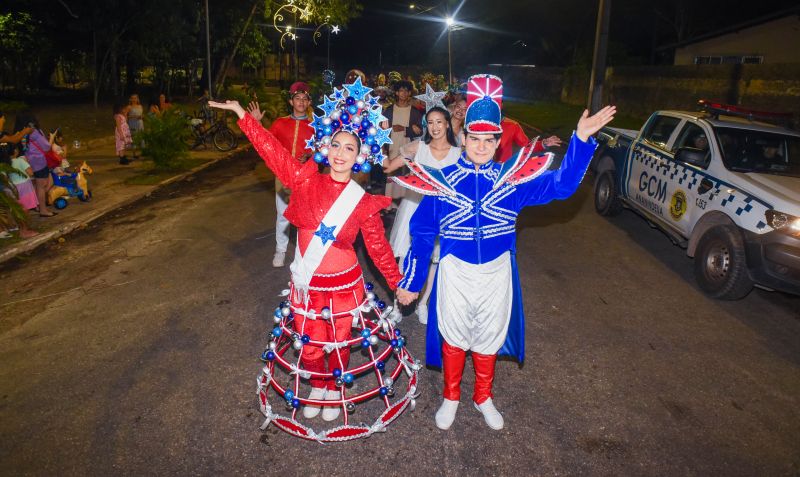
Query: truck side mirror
691	155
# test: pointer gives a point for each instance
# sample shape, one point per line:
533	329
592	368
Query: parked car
720	183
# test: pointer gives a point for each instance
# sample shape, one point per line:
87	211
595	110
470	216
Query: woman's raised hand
589	125
230	106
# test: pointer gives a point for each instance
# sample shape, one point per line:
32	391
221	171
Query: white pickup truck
720	184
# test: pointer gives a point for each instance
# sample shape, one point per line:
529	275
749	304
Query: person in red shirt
292	132
513	135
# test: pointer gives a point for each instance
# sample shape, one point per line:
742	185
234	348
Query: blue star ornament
328	106
382	137
378	159
317	123
325	233
431	98
373	101
376	116
337	94
357	90
310	144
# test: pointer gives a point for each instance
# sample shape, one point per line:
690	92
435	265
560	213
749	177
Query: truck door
646	185
686	187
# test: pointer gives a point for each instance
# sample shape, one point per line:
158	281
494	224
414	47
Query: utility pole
599	57
208	55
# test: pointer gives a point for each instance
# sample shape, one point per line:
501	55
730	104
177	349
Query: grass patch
153	176
559	118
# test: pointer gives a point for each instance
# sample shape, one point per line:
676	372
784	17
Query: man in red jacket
513	135
292	131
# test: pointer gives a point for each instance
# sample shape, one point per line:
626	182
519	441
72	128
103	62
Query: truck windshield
745	150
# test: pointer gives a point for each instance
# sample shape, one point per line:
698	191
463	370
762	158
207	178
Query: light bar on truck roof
716	108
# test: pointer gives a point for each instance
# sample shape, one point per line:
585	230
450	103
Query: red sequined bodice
313	194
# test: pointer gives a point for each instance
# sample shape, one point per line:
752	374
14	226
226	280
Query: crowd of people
33	156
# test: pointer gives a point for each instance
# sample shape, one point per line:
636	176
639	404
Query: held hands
405	297
230	106
416	129
255	111
552	141
589	125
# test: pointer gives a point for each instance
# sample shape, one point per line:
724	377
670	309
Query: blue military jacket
475	216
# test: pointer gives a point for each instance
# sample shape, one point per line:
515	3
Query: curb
69	227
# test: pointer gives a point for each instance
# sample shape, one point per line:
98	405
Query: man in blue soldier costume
472	206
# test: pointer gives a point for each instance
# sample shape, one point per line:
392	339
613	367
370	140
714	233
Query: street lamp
449	21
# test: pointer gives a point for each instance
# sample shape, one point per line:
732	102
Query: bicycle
217	132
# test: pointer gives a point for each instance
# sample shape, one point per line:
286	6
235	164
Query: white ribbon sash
304	265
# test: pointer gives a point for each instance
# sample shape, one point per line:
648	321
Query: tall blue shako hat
484	102
354	110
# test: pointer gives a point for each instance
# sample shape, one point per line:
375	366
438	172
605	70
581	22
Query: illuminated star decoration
432	98
357	90
337	93
325	233
310	143
335	29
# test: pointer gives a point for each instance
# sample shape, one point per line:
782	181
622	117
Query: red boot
453	359
452	367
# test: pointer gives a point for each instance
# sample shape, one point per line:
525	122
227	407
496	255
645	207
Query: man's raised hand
589	125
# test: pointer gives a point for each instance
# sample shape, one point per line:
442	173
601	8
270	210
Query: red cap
298	87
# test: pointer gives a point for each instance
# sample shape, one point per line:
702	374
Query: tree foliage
120	41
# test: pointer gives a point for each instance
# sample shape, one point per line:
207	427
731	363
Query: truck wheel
60	203
606	197
720	264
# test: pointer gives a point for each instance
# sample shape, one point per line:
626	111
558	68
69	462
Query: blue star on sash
325	233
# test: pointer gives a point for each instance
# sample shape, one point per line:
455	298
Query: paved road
132	349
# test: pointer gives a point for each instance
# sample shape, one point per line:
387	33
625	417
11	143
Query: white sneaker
279	259
312	410
330	413
446	414
422	313
490	414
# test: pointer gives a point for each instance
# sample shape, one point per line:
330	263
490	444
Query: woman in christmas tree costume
327	291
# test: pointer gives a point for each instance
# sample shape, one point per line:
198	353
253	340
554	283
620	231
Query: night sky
541	32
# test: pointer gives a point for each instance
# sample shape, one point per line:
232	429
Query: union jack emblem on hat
484	102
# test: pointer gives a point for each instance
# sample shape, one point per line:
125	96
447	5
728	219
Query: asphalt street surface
132	349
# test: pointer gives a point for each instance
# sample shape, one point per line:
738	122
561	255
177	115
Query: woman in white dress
436	149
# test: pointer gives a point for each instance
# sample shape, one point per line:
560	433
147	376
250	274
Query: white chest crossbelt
304	265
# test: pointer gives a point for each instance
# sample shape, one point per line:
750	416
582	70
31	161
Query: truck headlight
783	222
